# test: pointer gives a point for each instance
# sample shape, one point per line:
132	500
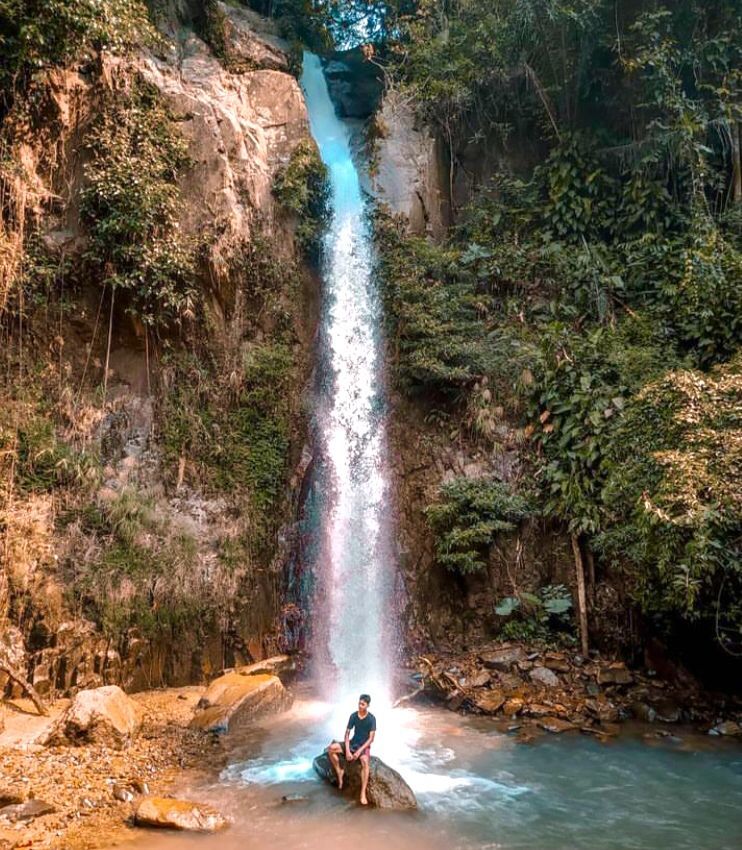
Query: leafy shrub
301	22
432	310
582	384
671	495
693	284
239	441
470	516
301	187
35	34
43	461
130	205
143	572
546	615
214	32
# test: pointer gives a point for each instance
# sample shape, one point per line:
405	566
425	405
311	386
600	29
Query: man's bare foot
341	776
364	801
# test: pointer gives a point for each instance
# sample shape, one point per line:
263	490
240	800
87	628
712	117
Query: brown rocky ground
547	690
91	787
531	690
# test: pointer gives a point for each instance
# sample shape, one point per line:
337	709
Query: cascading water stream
354	625
477	787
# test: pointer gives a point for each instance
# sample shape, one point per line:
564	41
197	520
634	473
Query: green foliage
557	66
431	307
697	293
43	462
321	25
470	516
578	193
214	33
572	291
130	205
142	573
304	24
37	34
301	188
543	616
583	383
672	496
256	449
238	437
228	414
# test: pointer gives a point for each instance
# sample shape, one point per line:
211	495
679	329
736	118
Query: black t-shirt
362	727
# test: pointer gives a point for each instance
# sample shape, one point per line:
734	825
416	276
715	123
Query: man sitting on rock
359	735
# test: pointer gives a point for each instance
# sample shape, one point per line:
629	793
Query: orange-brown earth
93	788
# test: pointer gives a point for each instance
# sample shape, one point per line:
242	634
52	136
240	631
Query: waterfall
354	633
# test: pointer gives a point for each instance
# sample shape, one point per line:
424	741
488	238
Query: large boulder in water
234	700
386	788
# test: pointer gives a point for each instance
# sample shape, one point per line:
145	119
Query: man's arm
347	744
359	752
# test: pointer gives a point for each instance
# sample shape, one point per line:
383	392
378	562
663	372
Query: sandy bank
79	781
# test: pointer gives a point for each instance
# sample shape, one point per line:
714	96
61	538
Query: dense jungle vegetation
585	307
590	293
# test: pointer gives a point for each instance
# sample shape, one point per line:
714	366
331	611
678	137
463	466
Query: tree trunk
590	558
108	347
736	162
17	676
581	598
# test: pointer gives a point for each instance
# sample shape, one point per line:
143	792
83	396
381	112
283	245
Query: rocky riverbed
90	790
103	761
65	787
539	689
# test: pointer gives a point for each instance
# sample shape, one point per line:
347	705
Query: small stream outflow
353	613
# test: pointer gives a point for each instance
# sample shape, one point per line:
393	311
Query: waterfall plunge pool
478	789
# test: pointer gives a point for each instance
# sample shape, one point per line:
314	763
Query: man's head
364	700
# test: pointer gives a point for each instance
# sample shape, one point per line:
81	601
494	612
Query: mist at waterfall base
478	789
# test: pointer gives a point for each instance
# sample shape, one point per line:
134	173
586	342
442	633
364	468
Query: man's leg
333	752
365	771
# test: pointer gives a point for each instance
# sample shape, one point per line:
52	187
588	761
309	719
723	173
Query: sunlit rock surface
283	666
99	716
409	173
234	699
386	788
184	815
250	41
241	129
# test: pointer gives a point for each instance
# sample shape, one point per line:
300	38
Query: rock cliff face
241	128
242	123
444	608
409	169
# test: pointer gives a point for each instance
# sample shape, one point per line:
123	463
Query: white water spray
354	615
